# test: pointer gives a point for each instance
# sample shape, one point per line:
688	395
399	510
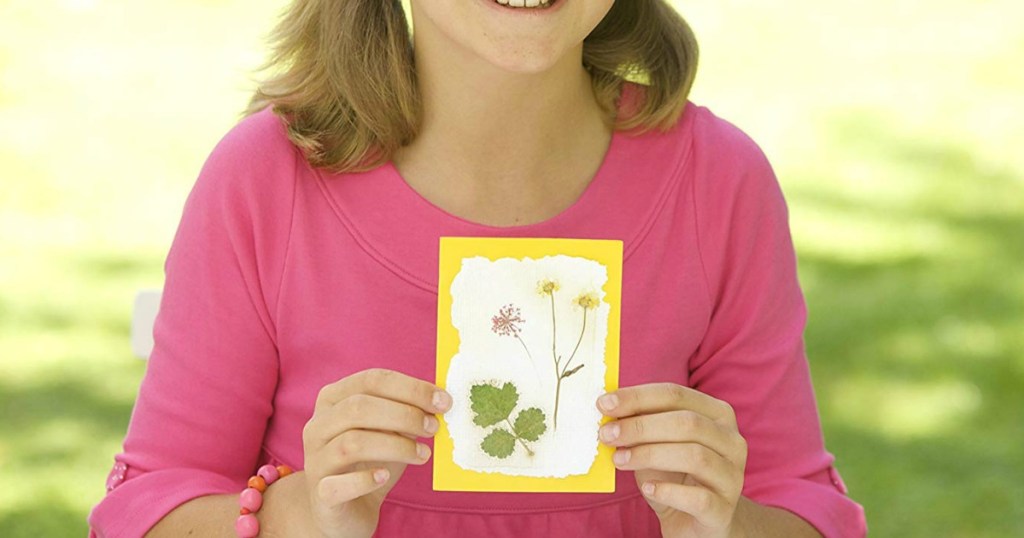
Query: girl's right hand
361	436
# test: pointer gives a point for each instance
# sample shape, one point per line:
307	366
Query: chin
526	60
516	41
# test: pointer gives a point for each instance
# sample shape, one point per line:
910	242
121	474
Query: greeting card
527	339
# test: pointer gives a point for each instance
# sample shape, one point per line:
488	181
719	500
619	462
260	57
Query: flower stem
554	355
554	331
583	330
530	355
565	368
558	390
526	349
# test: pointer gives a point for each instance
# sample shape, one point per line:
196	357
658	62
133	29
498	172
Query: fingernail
610	432
430	424
621	457
442	401
381	475
423	451
648	489
608	402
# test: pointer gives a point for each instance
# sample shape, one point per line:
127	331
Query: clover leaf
529	424
499	443
491	404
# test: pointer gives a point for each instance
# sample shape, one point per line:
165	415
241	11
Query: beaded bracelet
251	500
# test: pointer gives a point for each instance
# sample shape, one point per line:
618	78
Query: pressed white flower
547	286
587	300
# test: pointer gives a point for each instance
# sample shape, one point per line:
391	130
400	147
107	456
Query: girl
297	323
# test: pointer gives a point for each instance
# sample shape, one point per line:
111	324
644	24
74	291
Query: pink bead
269	473
251	498
247	526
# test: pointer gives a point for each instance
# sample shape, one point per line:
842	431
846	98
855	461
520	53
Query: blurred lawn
895	128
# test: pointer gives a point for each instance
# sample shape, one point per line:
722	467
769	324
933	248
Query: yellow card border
447	475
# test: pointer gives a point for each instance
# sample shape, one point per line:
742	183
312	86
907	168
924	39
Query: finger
662	397
362	446
708	508
674	427
387	384
364	412
335	490
703	464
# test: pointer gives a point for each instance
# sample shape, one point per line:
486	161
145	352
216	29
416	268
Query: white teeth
526	3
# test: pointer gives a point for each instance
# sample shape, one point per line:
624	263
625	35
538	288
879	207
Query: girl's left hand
686	451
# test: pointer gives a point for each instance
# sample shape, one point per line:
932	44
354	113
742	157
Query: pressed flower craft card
527	340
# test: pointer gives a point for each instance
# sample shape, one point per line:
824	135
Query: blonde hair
344	81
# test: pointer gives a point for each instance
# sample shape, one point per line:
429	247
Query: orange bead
258	483
284	470
244	511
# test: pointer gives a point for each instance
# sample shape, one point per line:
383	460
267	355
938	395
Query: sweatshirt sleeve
752	354
198	422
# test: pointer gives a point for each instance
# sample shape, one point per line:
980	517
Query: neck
498	126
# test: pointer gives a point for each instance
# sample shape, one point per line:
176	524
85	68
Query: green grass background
896	129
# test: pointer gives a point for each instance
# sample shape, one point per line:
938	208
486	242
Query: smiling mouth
527	4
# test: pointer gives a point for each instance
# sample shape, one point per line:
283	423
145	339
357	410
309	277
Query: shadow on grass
94	292
60	429
924	321
44	518
70	398
956	486
50	317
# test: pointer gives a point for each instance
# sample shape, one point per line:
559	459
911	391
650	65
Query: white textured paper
479	291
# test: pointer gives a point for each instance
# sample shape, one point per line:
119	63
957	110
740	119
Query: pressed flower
587	300
508	321
547	286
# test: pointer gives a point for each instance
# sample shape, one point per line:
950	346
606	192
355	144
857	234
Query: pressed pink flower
508	321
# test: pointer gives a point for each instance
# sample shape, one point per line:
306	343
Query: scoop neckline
588	192
629	189
596	183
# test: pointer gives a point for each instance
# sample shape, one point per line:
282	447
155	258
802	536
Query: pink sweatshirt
283	278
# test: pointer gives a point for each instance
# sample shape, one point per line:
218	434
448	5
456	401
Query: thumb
647	475
336	490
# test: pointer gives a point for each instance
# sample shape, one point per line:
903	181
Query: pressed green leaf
499	443
529	424
491	404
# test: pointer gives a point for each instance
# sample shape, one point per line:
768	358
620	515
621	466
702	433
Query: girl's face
516	39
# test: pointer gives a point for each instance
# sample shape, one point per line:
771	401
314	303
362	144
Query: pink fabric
282	279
